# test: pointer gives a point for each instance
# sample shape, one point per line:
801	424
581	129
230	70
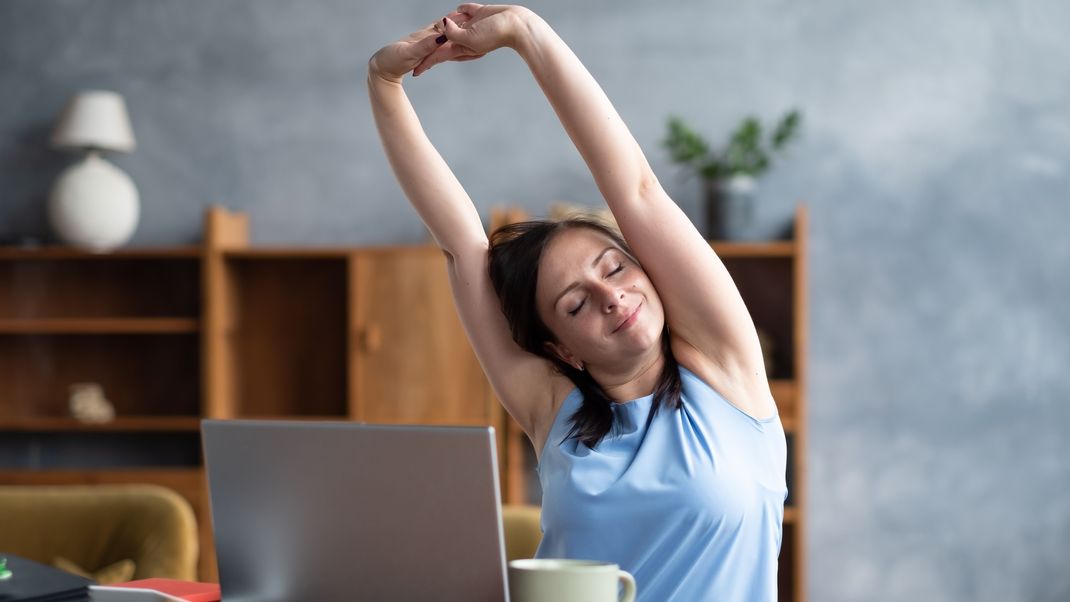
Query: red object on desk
187	590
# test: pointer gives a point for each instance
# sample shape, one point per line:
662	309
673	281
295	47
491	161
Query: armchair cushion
96	526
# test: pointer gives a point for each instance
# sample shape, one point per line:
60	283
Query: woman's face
599	303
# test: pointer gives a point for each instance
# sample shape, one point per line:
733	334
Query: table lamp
94	205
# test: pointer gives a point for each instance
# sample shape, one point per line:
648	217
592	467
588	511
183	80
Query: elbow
649	188
453	253
450	258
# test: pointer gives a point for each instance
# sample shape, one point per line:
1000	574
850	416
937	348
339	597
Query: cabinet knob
371	338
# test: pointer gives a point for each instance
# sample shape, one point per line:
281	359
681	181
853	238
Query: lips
629	319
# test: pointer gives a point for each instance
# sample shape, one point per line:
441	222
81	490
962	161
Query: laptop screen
346	511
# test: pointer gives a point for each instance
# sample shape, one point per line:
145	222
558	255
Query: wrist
526	31
378	76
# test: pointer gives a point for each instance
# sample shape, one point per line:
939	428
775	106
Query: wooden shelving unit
229	330
771	276
100	326
221	330
158	424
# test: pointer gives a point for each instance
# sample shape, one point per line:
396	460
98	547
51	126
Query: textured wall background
935	161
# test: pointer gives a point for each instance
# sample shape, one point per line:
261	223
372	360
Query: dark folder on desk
35	582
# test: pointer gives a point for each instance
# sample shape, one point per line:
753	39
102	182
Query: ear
562	353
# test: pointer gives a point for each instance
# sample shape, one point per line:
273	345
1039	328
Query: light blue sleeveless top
692	504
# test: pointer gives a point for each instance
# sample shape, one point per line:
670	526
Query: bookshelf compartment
290	333
786	570
141	375
100	288
98	450
790	473
767	287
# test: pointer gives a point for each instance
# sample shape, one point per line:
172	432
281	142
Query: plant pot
729	206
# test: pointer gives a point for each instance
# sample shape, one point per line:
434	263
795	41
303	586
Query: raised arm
424	176
519	378
703	305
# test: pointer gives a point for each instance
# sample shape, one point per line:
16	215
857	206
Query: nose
612	298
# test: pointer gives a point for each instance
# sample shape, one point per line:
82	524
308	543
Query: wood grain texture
409	353
223	231
139	374
104	287
286	349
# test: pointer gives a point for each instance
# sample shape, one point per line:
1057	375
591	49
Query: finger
454	33
441	54
459	17
431	43
428	62
448	52
427	46
456	17
430	28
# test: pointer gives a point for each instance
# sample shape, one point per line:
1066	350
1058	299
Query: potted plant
730	174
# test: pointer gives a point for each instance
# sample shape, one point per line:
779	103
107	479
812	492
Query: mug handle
628	593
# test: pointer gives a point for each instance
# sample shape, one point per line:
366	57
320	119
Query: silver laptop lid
326	511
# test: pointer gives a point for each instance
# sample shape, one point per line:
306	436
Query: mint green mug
561	580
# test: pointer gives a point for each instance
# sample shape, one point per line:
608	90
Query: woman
631	362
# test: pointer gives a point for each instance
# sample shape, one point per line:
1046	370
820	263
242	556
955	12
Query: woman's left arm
702	304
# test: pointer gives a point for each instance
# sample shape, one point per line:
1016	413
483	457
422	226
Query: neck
638	380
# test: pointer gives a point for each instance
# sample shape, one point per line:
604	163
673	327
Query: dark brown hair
515	253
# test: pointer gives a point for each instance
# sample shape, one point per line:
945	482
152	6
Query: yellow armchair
95	526
523	531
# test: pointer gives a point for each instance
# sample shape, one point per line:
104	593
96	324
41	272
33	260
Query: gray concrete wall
935	162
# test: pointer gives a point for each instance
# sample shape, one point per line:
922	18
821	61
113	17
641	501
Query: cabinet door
410	361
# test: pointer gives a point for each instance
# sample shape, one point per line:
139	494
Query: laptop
342	511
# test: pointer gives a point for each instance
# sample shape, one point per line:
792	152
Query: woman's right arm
522	381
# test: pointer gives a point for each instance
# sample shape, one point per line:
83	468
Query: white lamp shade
95	119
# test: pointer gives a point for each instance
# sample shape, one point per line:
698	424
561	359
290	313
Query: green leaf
745	152
684	145
786	129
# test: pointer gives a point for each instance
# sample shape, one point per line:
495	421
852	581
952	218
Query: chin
644	337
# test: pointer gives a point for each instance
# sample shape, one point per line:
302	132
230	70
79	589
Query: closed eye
582	303
578	308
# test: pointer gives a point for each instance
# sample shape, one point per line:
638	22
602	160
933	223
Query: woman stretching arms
630	361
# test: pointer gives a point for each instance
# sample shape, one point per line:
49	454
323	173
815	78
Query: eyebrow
575	284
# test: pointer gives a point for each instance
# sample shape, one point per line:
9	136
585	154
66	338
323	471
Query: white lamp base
94	205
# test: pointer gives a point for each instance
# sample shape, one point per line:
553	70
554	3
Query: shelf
66	476
289	253
785	392
296	418
286	347
126	423
51	286
100	326
791	515
754	249
58	252
266	252
140	374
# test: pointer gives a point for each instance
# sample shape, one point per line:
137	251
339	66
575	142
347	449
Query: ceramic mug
560	580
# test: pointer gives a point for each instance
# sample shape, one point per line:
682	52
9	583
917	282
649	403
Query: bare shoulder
749	393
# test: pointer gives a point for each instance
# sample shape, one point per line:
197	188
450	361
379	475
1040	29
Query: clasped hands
466	34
